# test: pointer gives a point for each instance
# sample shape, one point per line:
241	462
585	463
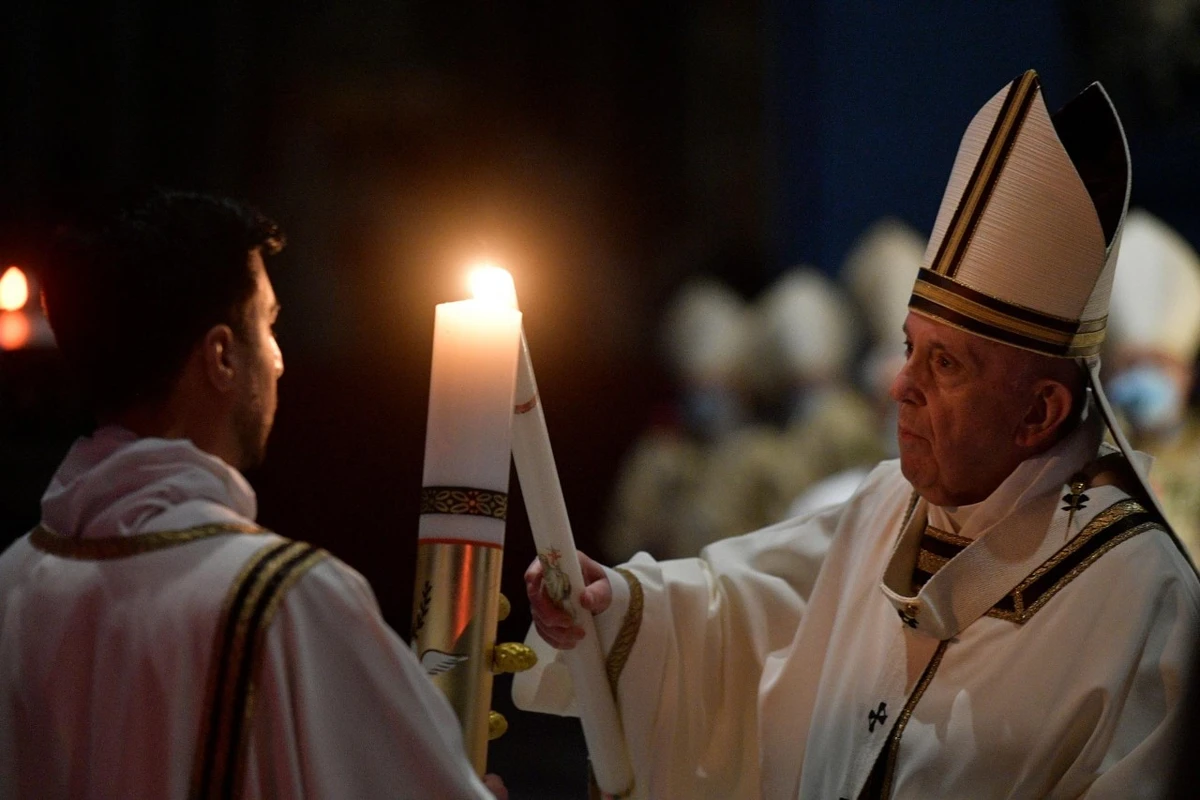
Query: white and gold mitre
1156	290
1024	246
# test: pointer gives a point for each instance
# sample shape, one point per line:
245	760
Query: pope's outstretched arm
684	643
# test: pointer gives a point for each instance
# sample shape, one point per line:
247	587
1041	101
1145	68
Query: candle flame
493	284
14	290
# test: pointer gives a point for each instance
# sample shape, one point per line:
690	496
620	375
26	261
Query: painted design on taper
558	585
527	406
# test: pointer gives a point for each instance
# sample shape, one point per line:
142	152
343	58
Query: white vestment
106	652
1044	659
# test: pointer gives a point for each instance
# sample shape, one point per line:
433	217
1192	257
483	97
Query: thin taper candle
551	528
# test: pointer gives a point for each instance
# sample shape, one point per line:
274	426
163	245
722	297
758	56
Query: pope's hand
553	623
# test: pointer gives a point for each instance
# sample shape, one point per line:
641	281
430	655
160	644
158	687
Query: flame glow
14	330
14	290
493	284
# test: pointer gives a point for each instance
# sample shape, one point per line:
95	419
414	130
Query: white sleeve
343	708
691	674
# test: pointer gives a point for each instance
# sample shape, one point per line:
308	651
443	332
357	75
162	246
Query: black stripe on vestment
1062	569
940	548
245	672
234	654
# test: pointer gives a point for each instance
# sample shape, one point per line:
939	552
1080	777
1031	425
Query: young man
154	641
1002	613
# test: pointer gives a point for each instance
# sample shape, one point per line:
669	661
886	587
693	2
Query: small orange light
14	330
14	290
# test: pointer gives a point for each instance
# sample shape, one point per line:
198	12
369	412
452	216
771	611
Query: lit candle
464	502
468	438
14	323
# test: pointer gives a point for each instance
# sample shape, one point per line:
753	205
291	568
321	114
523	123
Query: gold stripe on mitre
962	307
987	169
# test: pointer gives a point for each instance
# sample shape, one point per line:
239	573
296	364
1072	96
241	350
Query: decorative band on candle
464	500
527	406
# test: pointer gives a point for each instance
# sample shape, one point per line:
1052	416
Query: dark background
602	151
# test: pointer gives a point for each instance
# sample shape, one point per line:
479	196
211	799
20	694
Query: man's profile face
261	367
960	404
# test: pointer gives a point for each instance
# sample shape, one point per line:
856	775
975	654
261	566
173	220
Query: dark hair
129	302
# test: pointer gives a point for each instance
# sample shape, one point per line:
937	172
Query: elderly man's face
961	404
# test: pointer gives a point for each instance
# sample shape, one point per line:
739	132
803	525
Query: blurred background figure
810	421
704	341
804	340
878	272
1154	334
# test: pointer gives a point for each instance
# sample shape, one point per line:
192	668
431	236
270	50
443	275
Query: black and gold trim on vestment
240	641
986	173
1107	529
948	300
1120	521
464	500
110	547
937	548
631	624
879	782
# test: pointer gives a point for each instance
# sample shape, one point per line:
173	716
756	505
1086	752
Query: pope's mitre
1024	246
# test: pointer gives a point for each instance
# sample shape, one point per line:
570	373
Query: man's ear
1050	409
217	355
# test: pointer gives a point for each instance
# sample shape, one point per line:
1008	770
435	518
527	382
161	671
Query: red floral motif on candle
464	500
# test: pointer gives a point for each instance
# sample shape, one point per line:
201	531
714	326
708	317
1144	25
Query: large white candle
469	433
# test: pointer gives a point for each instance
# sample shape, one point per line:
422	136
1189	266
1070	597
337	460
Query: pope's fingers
597	592
549	616
533	589
592	570
559	639
533	573
597	597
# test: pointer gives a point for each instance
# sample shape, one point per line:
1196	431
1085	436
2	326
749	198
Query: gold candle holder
454	630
